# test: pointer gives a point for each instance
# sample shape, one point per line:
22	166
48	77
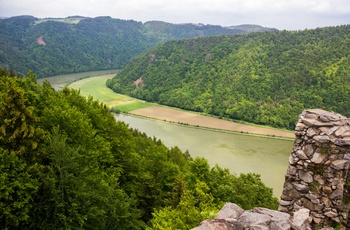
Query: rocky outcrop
232	217
318	174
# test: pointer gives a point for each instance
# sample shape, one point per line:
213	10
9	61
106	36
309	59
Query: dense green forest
77	44
265	78
67	164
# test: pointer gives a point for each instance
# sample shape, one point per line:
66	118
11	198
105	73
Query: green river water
239	153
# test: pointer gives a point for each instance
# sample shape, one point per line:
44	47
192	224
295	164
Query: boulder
219	224
300	220
230	210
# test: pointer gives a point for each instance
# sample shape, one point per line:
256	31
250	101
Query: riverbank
96	87
197	120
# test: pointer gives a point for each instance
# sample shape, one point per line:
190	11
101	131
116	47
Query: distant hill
264	78
52	46
248	28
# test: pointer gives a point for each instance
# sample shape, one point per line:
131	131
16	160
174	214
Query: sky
280	14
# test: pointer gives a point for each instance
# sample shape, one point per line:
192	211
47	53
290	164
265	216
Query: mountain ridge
79	44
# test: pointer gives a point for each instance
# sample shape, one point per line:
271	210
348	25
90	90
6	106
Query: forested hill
264	78
76	44
66	163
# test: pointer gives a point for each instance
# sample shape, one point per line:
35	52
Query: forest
79	44
265	78
67	164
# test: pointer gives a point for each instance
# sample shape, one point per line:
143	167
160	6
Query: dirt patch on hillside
178	116
40	40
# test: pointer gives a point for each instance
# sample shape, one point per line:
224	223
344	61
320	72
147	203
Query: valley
241	148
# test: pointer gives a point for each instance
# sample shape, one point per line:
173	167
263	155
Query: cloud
282	14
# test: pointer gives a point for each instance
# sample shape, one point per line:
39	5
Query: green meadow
60	81
94	84
96	87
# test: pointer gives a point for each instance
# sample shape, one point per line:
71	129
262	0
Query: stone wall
318	174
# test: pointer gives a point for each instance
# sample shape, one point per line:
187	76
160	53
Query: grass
133	106
60	81
94	84
96	87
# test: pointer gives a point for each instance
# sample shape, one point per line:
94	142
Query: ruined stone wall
318	174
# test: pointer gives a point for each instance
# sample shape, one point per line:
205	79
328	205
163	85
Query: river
239	153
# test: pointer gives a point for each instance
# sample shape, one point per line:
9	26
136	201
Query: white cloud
283	14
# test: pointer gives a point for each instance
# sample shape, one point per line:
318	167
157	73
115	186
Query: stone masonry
318	174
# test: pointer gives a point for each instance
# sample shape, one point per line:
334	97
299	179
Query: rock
275	215
346	134
218	224
280	226
321	139
340	164
301	155
313	198
340	132
343	141
305	176
330	131
311	206
331	214
311	132
300	127
257	227
256	219
300	219
230	210
300	187
291	170
250	218
337	194
318	157
279	220
291	194
347	156
292	160
309	150
327	190
313	122
285	202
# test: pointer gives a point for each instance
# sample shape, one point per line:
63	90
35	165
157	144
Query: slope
264	78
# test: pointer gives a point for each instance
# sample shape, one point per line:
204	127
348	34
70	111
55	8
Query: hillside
67	164
264	78
53	46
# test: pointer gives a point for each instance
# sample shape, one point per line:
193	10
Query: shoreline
209	128
193	120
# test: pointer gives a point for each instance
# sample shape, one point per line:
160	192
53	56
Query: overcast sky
280	14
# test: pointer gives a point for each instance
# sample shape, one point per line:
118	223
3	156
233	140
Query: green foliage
195	206
246	190
87	44
67	164
264	78
17	189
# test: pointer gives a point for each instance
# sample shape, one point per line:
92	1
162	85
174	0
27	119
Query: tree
17	189
195	206
17	126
